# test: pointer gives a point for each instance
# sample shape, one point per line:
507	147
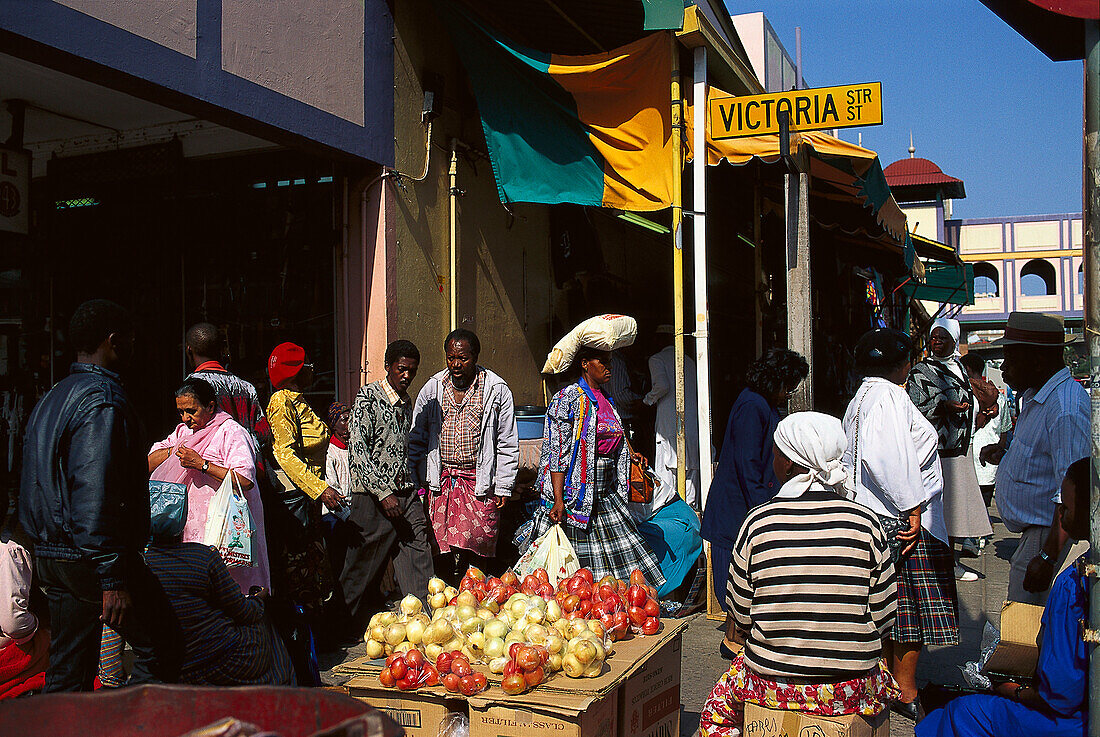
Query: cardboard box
418	712
763	722
543	714
645	670
1018	652
649	700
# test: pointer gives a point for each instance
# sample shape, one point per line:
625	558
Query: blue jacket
744	478
85	493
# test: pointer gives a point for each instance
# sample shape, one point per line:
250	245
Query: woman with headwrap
584	474
894	470
940	388
812	591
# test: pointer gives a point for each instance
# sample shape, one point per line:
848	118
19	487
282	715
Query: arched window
1081	279
1037	278
987	282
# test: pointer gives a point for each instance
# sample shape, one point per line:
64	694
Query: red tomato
393	657
429	677
574	585
528	658
500	594
509	668
652	608
443	662
636	596
399	669
482	681
406	684
584	574
509	578
546	591
544	654
637	615
620	621
414	658
583	608
650	626
606	590
514	684
534	677
450	682
469	685
637	578
542	575
386	678
571	602
461	668
584	591
607	580
514	649
651	591
493	582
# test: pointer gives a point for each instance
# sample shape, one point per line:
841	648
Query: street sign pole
1091	217
796	199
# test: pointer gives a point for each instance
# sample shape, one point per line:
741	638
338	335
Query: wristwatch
1016	694
1045	556
205	466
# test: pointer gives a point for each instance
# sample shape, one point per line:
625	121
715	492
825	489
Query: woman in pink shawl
199	453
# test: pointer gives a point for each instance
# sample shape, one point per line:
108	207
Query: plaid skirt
611	544
928	605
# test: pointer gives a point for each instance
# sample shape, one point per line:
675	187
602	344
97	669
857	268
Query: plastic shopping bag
229	524
552	551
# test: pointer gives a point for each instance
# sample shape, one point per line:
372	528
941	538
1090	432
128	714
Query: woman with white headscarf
812	591
940	388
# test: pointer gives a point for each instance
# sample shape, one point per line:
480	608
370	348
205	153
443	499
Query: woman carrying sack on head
584	468
199	454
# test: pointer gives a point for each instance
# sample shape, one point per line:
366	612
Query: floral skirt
723	713
461	519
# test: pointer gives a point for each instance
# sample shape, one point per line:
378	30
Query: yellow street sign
821	108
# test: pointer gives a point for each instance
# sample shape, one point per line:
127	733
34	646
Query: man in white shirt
662	373
1052	432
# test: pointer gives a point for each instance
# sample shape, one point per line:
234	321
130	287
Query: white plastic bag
552	551
229	524
603	332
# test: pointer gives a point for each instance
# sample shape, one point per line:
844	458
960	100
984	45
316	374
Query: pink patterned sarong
459	518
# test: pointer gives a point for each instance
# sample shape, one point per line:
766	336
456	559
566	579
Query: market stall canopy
934	250
944	283
854	171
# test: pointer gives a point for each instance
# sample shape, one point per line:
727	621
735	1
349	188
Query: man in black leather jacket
84	502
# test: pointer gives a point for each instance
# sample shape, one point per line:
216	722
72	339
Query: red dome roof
915	171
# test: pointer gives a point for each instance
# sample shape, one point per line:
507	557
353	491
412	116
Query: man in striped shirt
812	585
1052	432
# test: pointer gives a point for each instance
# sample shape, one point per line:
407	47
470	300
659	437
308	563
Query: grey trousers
371	538
1031	542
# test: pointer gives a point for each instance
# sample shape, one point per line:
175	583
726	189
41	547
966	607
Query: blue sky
981	101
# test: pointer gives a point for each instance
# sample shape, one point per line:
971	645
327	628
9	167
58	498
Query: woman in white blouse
894	470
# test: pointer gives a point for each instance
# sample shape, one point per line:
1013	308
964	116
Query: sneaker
962	573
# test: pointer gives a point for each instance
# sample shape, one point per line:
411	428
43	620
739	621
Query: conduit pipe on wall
453	193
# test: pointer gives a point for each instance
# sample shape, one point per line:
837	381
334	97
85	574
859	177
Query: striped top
812	584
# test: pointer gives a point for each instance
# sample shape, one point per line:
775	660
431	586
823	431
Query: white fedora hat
1035	328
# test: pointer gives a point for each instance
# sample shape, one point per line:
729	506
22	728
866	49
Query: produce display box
761	721
1017	653
638	694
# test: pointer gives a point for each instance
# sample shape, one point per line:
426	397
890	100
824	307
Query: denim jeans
76	603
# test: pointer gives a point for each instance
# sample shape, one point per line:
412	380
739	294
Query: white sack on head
816	442
603	332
